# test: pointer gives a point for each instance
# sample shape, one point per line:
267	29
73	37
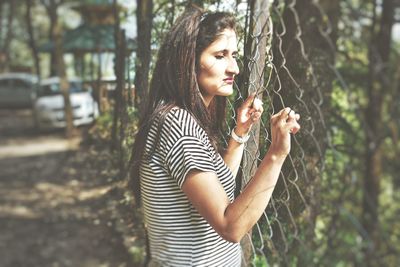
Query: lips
229	80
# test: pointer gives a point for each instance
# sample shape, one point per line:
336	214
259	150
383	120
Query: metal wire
278	229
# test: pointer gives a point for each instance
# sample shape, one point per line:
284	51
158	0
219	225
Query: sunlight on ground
18	211
38	148
46	196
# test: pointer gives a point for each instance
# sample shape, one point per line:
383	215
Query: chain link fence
291	64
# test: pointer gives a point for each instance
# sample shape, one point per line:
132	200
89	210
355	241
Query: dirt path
53	209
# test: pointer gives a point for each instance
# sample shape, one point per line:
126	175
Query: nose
232	67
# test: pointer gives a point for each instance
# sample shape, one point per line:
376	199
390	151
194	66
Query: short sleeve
188	153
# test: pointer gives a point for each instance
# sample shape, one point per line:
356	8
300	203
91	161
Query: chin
227	90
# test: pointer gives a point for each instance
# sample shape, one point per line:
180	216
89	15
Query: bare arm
232	220
249	113
233	156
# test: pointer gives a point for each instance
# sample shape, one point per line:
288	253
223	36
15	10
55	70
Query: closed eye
224	53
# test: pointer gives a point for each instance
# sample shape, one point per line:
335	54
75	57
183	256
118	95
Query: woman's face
218	66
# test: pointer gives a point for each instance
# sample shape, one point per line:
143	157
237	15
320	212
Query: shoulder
183	123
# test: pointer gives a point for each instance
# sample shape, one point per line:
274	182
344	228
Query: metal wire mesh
278	231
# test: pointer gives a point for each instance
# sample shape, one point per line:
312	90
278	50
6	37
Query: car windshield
54	89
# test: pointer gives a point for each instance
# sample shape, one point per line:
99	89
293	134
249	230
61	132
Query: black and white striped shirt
178	234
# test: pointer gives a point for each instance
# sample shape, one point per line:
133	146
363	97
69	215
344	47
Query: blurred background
74	77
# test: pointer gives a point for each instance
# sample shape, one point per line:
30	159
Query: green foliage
138	255
130	128
101	132
259	261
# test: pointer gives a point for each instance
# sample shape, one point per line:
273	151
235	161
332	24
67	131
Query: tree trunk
4	50
379	51
172	13
1	36
79	64
117	91
92	68
51	9
32	42
57	66
1	21
144	15
64	85
199	3
96	93
255	49
123	106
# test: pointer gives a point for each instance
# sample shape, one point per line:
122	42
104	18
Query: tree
31	41
51	9
6	34
199	3
57	61
119	116
256	44
144	16
379	84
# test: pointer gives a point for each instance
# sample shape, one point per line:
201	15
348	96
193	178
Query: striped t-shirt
178	234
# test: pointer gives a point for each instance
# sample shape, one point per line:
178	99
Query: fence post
258	32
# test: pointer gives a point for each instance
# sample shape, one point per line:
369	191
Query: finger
284	113
249	101
292	127
281	117
291	115
294	130
255	116
276	116
257	104
252	111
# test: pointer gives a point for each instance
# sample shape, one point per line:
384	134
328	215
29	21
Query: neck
207	99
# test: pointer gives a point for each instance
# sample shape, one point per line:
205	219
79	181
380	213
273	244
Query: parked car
17	90
49	104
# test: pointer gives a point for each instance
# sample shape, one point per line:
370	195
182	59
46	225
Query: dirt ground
60	204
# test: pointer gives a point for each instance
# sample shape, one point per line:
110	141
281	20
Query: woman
186	186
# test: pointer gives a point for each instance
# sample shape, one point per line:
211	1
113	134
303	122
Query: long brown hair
174	82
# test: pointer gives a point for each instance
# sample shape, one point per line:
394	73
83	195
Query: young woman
185	186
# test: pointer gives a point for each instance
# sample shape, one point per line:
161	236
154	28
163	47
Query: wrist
239	138
240	131
276	156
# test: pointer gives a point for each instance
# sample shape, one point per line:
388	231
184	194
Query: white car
49	104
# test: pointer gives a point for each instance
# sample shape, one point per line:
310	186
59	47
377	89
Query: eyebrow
226	51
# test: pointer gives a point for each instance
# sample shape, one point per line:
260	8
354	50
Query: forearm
247	208
233	156
232	220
